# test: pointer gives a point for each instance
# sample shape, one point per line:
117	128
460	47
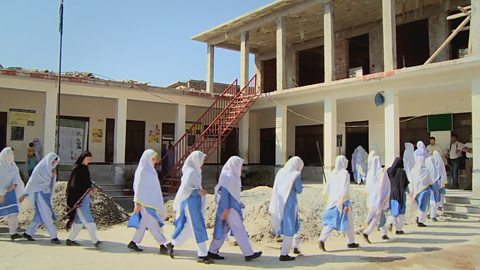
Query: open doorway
3	130
358	55
135	141
356	134
311	69
267	146
269	75
230	146
306	138
412	130
459	45
412	44
109	140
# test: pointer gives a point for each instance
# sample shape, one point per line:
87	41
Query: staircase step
462	208
461	215
462	200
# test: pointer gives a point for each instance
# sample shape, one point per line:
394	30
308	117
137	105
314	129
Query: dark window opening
412	44
135	141
267	146
462	126
269	75
459	44
356	134
359	54
311	68
306	138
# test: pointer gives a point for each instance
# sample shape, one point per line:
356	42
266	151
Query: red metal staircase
210	130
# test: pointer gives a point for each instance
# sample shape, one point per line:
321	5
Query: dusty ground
448	244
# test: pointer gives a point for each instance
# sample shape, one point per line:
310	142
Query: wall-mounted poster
21	117
17	134
97	135
73	137
154	135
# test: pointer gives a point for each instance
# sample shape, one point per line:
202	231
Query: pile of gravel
105	211
311	206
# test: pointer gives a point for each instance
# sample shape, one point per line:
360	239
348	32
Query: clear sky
144	40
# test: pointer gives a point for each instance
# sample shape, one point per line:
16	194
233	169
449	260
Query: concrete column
180	121
329	42
389	35
280	135
210	67
50	125
475	28
330	133
392	127
476	135
281	54
244	57
243	137
120	131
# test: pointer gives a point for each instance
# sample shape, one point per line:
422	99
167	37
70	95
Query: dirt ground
448	244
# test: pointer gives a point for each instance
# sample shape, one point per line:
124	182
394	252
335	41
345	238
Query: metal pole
60	29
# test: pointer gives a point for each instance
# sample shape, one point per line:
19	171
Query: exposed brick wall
341	56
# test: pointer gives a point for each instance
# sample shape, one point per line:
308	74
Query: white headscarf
374	169
359	161
230	178
42	178
146	185
409	158
440	168
191	178
282	187
421	176
421	150
9	173
380	196
338	183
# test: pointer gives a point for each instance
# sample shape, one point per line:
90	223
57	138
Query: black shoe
390	227
385	237
321	246
98	244
286	258
28	237
134	246
215	256
15	236
296	251
353	245
163	250
365	236
440	209
399	232
170	250
417	220
71	243
204	260
421	225
253	256
55	241
434	219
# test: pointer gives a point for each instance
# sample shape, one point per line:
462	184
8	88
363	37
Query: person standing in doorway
468	149
31	159
454	155
433	146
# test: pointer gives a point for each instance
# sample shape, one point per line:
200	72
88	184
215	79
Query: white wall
29	101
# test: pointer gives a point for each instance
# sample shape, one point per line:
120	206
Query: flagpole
60	29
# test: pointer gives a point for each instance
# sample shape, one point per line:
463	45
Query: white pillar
180	121
243	137
330	133
389	35
329	42
244	57
475	28
50	124
280	135
476	135
281	57
210	67
120	131
392	127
